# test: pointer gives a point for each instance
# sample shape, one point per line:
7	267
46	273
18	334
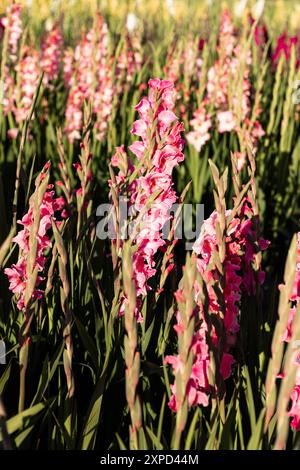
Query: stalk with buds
132	355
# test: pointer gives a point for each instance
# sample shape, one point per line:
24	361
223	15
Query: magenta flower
295	408
284	46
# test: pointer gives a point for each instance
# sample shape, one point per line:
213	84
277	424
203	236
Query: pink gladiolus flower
226	365
28	69
284	46
222	106
74	114
295	409
226	120
68	59
154	180
89	77
238	271
17	273
261	34
201	123
226	36
240	158
13	25
198	388
296	286
239	278
13	133
12	28
51	55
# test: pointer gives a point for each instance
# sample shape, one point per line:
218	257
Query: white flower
48	24
170	7
258	9
239	7
131	22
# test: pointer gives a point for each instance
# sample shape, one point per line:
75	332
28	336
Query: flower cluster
68	64
150	194
198	387
88	75
51	55
81	82
8	91
74	114
13	28
239	276
201	124
28	72
284	46
230	106
17	274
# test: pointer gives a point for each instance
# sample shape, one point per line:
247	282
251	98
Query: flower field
150	225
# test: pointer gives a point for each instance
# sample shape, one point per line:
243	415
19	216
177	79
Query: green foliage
96	416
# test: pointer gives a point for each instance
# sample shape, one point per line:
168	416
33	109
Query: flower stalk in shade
25	276
183	363
285	359
65	305
132	355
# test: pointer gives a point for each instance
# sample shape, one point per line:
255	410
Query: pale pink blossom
240	159
229	106
226	121
68	59
51	55
88	74
13	28
74	114
28	73
8	91
201	124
